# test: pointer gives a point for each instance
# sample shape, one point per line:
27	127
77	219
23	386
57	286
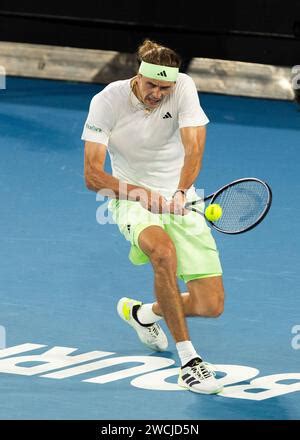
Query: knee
210	309
215	309
163	255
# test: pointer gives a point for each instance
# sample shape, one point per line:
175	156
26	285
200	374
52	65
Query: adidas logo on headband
163	73
156	71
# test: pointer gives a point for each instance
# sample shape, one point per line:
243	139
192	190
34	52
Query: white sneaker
197	377
153	336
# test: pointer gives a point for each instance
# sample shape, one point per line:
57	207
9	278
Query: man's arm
193	139
97	179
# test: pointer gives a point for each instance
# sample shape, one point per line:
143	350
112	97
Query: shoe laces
211	367
153	330
202	370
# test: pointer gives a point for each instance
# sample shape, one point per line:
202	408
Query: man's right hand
154	202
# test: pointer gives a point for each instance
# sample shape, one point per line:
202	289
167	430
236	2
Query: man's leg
205	297
158	246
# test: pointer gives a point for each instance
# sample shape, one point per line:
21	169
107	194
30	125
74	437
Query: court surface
62	273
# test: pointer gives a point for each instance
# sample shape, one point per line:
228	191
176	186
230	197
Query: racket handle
193	203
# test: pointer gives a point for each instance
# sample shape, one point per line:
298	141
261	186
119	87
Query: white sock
146	315
186	351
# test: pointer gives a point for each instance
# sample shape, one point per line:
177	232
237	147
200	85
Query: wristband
179	190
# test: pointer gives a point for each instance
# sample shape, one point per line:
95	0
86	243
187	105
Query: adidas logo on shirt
163	73
167	115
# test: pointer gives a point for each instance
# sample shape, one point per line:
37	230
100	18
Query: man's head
157	74
152	91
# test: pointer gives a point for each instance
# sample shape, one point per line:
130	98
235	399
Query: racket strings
243	204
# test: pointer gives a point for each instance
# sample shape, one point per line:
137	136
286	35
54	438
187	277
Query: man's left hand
177	204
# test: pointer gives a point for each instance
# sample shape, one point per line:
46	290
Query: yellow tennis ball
213	212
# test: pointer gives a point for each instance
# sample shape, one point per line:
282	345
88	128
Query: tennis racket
244	202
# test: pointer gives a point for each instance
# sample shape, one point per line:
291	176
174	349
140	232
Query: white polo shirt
145	147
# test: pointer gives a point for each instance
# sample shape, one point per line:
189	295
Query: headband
155	71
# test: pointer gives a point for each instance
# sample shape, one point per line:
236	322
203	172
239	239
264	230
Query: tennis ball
213	212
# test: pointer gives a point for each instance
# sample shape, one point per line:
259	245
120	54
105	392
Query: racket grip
193	203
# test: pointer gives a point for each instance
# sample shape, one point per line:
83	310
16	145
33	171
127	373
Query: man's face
153	91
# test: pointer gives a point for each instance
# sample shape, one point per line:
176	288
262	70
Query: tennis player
154	130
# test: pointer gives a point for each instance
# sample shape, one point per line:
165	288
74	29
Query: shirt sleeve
190	112
100	120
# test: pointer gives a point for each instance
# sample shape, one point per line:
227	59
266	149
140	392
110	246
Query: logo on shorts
93	127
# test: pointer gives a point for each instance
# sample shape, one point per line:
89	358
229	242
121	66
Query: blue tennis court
67	354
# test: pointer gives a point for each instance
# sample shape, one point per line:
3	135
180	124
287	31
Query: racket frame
214	195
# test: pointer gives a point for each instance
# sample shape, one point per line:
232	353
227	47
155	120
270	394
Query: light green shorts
197	254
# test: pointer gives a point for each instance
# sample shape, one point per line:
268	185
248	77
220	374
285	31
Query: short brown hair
154	53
